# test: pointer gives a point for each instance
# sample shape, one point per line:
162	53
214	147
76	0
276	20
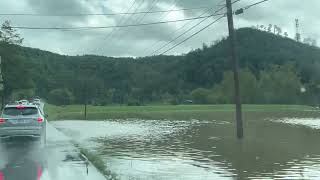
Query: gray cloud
58	6
139	41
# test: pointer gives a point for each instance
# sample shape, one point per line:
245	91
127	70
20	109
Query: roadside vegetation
98	162
178	112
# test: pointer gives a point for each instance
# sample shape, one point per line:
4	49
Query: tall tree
269	28
9	35
279	30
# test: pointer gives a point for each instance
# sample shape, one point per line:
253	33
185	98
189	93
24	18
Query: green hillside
273	70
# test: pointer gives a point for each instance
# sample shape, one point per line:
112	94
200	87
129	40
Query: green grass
97	161
73	112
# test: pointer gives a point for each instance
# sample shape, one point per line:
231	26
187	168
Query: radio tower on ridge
298	35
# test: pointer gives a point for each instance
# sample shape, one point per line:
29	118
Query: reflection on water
26	158
195	149
21	158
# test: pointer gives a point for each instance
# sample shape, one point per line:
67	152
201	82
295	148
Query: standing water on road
201	149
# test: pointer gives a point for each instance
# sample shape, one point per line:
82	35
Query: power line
115	26
153	4
122	19
103	14
193	35
128	19
246	7
162	18
168	43
184	25
134	11
166	14
185	32
235	1
241	10
254	4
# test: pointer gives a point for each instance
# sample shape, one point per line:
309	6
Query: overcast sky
142	41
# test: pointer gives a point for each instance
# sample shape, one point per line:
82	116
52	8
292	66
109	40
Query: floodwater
274	147
27	159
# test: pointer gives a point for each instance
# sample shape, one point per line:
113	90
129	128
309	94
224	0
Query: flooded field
275	147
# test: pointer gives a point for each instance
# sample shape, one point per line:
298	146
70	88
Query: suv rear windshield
13	111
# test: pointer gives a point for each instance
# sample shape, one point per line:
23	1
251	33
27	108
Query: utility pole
85	99
87	70
1	86
235	70
298	35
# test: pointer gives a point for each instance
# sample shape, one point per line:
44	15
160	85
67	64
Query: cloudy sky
144	40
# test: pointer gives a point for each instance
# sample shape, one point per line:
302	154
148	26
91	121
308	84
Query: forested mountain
274	69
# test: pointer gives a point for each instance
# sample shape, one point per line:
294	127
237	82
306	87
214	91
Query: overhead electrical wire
184	25
114	26
151	23
134	11
166	14
175	2
153	4
168	43
188	30
202	29
122	19
103	14
126	20
215	21
254	4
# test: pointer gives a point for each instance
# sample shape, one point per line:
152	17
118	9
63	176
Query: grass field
185	112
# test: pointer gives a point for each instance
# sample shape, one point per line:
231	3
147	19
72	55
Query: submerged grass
169	111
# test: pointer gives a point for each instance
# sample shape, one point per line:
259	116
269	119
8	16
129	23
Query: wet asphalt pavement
28	159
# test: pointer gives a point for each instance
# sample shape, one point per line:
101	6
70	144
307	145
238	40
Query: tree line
274	70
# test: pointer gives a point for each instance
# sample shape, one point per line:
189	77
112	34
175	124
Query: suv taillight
40	120
2	121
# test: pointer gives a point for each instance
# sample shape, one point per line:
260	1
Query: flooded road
273	148
28	159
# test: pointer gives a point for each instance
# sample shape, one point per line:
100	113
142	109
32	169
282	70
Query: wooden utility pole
87	70
2	86
85	99
235	69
